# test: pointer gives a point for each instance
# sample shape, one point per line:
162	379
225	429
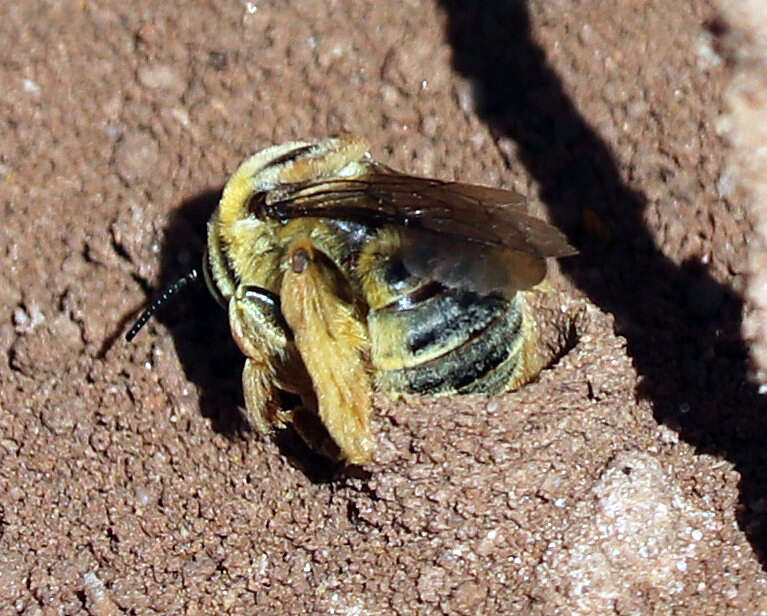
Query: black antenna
166	295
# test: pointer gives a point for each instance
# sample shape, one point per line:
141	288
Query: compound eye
210	282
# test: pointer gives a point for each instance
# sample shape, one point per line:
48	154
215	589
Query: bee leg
250	331
332	343
260	403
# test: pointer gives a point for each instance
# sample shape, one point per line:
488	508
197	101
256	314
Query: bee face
341	275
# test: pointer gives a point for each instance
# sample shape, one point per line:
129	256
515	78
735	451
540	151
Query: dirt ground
629	479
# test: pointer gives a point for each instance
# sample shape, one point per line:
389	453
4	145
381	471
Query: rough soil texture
743	42
629	479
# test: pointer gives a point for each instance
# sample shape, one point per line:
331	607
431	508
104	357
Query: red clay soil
629	479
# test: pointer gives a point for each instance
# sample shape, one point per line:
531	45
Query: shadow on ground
198	325
682	327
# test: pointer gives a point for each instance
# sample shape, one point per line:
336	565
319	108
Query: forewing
463	235
479	214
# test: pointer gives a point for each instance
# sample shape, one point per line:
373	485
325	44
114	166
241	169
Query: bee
342	276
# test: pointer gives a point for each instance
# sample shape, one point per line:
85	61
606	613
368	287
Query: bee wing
463	235
480	268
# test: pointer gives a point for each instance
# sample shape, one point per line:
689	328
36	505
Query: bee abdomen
454	342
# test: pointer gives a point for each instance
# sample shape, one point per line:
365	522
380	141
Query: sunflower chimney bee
342	276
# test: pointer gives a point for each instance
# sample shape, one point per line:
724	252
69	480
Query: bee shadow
681	325
204	344
197	324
